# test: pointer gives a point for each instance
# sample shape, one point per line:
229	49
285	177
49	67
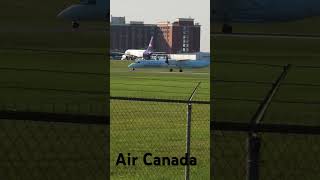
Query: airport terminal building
181	36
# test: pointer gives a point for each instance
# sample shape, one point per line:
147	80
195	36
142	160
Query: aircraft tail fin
148	52
150	47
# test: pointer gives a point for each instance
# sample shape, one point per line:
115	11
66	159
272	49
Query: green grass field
283	156
32	80
158	128
39	150
57	150
36	89
36	150
68	151
158	83
267	51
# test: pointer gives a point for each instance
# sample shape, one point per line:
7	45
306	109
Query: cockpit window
87	1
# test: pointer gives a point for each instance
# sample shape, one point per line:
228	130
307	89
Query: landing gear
180	70
171	70
227	29
133	69
75	25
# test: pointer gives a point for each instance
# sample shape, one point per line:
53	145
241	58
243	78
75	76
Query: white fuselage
133	54
191	56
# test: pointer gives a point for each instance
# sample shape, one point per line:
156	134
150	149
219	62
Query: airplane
171	64
254	11
115	55
86	10
132	54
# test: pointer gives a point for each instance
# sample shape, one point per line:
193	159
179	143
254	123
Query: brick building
181	36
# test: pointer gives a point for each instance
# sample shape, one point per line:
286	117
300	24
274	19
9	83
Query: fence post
188	134
254	143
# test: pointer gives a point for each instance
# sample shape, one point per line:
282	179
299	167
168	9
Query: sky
153	11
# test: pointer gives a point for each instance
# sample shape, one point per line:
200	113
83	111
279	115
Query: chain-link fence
282	152
271	140
158	126
53	96
52	145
